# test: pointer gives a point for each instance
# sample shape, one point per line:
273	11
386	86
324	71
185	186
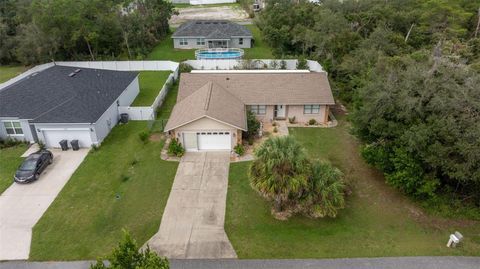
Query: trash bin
64	144
124	118
74	144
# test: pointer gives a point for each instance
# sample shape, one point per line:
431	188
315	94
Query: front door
280	109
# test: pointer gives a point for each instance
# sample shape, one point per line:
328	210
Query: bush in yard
10	142
302	63
324	195
175	148
292	120
185	68
127	255
280	171
312	122
253	125
275	130
144	136
239	149
283	64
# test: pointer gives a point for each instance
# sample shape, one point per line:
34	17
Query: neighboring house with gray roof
63	102
212	34
210	113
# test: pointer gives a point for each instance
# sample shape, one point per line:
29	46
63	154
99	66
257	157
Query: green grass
165	50
378	221
260	49
165	110
86	220
150	84
8	72
9	161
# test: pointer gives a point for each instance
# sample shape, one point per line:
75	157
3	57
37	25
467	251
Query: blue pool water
219	55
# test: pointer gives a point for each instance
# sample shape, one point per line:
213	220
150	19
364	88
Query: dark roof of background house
53	96
211	29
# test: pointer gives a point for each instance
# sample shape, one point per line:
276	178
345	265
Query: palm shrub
280	171
324	194
127	255
175	148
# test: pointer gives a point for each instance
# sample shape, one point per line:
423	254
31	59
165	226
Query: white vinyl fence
223	64
148	112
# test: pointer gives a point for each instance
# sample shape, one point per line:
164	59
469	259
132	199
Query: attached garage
207	141
52	137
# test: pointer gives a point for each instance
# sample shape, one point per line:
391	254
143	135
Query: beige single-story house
210	113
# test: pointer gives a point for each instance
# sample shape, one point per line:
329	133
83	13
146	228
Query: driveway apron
193	220
22	205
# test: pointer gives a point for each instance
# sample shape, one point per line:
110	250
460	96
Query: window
311	109
201	41
13	127
258	109
183	42
240	41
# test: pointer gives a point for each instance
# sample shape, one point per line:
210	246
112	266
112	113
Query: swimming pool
233	53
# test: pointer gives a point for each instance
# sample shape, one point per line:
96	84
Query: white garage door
214	140
53	137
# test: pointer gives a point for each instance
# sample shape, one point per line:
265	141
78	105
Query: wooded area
409	71
37	31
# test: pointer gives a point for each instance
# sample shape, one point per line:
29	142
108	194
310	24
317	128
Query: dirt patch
156	137
209	13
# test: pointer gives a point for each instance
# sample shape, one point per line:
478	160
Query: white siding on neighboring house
111	116
27	132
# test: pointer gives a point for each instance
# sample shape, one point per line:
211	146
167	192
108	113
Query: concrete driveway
21	206
192	223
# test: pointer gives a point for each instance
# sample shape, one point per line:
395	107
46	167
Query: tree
128	256
279	171
253	125
324	195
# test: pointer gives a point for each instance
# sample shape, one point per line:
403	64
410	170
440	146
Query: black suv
33	166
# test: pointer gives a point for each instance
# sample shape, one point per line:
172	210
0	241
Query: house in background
212	34
210	113
65	103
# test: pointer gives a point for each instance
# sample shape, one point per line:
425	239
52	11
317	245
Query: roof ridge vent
77	70
209	94
72	74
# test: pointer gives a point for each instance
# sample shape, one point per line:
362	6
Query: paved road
22	205
192	224
360	263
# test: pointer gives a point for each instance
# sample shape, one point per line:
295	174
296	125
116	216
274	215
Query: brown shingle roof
264	88
210	100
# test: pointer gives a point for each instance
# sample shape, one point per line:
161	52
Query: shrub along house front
210	113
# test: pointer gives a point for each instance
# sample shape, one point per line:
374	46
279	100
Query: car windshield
28	165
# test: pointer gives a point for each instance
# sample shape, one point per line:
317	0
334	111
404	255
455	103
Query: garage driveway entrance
192	223
21	206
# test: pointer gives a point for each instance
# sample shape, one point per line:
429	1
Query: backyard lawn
9	161
150	84
165	50
124	184
165	110
8	72
378	220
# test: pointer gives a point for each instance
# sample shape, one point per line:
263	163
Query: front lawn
378	220
150	84
165	50
9	161
124	184
8	72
